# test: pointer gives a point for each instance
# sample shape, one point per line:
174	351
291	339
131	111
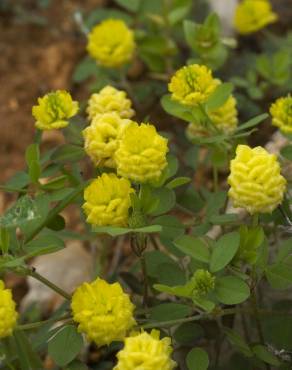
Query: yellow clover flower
110	99
253	15
102	138
141	156
256	183
146	351
8	314
103	311
193	84
224	118
281	112
111	43
107	201
54	110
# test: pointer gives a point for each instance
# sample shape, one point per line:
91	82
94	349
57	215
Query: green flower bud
203	282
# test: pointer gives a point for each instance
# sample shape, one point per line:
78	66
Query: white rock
225	10
67	268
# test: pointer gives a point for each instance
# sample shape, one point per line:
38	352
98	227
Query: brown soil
34	59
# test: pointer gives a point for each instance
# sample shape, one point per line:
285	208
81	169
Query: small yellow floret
54	110
107	201
111	43
253	15
281	112
102	138
141	156
8	314
108	100
256	183
103	311
146	351
224	118
193	84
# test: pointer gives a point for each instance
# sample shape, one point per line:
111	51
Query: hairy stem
48	283
37	324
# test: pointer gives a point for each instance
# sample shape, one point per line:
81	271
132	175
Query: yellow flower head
103	311
54	110
256	183
193	84
107	201
108	100
146	351
102	138
252	15
281	112
141	156
224	118
111	43
8	314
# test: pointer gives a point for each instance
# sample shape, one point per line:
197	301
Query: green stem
215	178
55	211
48	283
145	280
255	220
37	324
210	316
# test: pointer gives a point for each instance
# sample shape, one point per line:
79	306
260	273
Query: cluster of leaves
173	218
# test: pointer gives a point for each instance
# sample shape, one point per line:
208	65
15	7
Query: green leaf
68	153
224	251
78	365
4	240
265	355
215	202
188	333
57	223
190	31
197	359
231	290
238	342
55	184
23	211
176	109
193	247
45	243
154	259
65	345
28	359
169	311
166	202
32	153
170	274
179	290
180	11
115	231
286	152
131	5
224	219
219	96
252	122
34	171
171	226
279	275
86	68
179	181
